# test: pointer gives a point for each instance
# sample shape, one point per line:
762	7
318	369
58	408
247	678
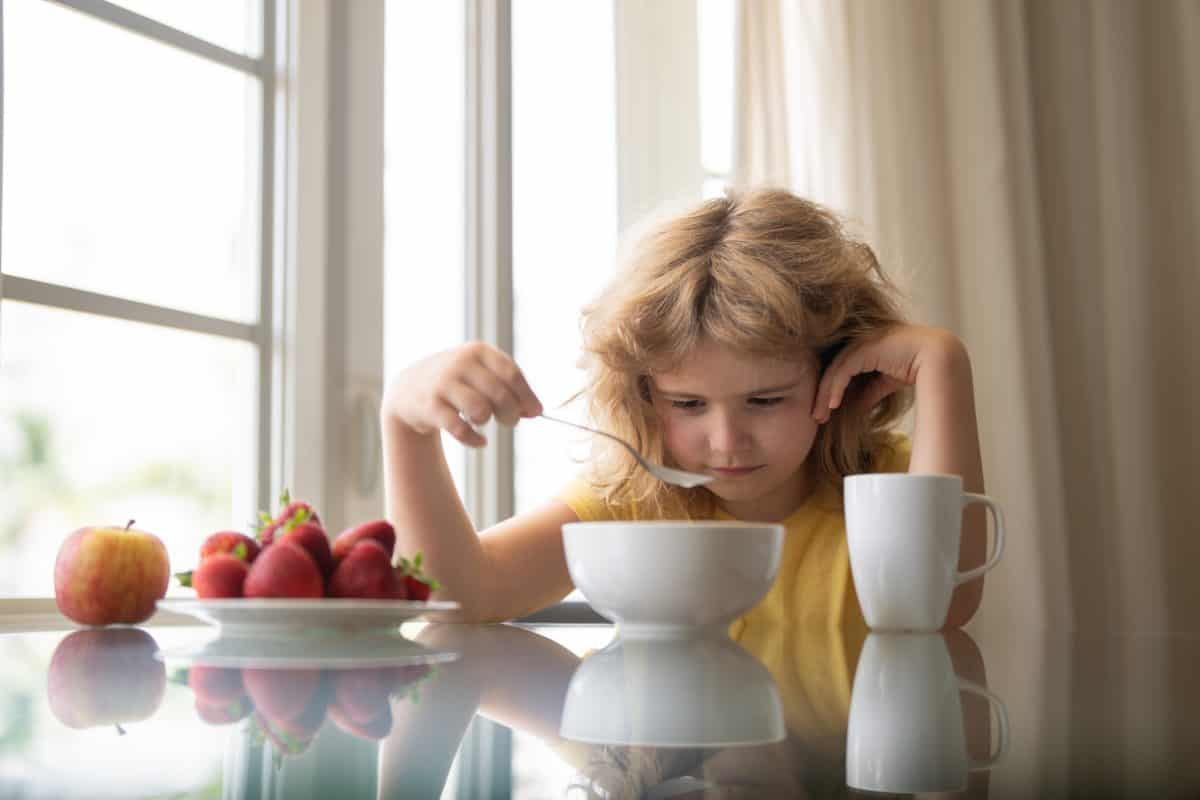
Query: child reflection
518	678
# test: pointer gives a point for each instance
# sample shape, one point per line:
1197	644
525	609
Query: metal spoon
675	477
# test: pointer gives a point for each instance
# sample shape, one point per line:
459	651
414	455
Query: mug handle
1001	721
998	545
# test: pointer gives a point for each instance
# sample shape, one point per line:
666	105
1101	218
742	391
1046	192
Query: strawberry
380	530
416	585
312	538
286	570
291	512
366	572
231	542
218	576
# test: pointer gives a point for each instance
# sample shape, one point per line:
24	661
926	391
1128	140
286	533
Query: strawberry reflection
289	707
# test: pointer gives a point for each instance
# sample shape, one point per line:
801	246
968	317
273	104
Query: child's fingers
879	387
507	370
449	420
474	406
505	405
832	385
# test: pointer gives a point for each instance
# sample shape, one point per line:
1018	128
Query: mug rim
682	523
910	476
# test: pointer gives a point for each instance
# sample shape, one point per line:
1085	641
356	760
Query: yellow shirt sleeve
581	498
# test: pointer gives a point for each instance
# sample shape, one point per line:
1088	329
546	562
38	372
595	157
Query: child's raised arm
518	565
946	436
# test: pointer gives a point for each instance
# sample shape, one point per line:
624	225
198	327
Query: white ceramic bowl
672	578
702	691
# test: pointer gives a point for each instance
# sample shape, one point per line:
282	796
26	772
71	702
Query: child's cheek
679	438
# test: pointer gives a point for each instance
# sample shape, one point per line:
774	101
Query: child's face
745	419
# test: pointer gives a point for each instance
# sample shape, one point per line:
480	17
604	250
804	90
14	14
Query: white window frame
51	295
272	332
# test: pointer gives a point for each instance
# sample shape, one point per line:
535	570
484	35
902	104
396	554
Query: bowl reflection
681	692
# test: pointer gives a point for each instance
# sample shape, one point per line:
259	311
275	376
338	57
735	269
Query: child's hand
459	388
896	357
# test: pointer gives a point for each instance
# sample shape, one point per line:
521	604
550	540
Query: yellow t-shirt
809	628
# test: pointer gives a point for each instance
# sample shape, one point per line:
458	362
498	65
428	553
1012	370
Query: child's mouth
734	472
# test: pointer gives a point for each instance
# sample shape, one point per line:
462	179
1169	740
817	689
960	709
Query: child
750	339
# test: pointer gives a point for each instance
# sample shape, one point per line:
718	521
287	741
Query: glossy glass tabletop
450	711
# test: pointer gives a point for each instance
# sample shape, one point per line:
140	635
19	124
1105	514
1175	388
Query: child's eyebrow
765	390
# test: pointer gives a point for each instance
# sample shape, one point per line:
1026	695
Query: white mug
903	533
905	732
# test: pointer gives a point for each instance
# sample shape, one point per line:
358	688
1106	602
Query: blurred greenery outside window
131	262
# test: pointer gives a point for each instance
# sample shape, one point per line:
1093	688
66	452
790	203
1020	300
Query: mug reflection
906	731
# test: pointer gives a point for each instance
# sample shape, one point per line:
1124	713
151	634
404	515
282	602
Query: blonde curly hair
761	271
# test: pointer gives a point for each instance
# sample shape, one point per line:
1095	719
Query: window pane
564	215
103	421
716	23
713	187
233	24
424	226
130	168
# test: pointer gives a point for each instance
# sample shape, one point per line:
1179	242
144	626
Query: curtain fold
1031	173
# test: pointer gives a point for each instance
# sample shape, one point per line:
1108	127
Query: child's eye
763	402
686	405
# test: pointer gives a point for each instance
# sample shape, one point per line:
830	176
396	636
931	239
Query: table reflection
1088	715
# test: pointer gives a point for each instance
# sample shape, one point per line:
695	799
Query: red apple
105	677
107	575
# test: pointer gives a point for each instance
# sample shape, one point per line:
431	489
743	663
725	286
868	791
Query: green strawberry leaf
240	552
185	578
180	676
298	518
285	497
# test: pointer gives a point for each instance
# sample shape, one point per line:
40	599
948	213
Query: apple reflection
105	676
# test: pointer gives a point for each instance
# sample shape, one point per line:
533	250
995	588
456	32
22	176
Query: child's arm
946	437
516	567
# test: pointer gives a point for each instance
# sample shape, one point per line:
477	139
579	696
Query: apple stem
130	525
120	730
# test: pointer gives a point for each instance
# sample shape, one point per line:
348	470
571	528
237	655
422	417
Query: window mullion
268	442
489	485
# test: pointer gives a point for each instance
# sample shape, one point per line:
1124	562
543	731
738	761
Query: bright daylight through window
135	178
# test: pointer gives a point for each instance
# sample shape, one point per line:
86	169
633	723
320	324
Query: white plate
244	616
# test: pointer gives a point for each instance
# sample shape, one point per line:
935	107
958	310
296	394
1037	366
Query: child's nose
727	434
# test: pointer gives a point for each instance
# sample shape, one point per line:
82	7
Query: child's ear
643	386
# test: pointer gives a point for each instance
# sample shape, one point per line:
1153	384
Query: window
136	269
716	21
424	183
564	217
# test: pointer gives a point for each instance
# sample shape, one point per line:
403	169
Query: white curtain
1031	171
